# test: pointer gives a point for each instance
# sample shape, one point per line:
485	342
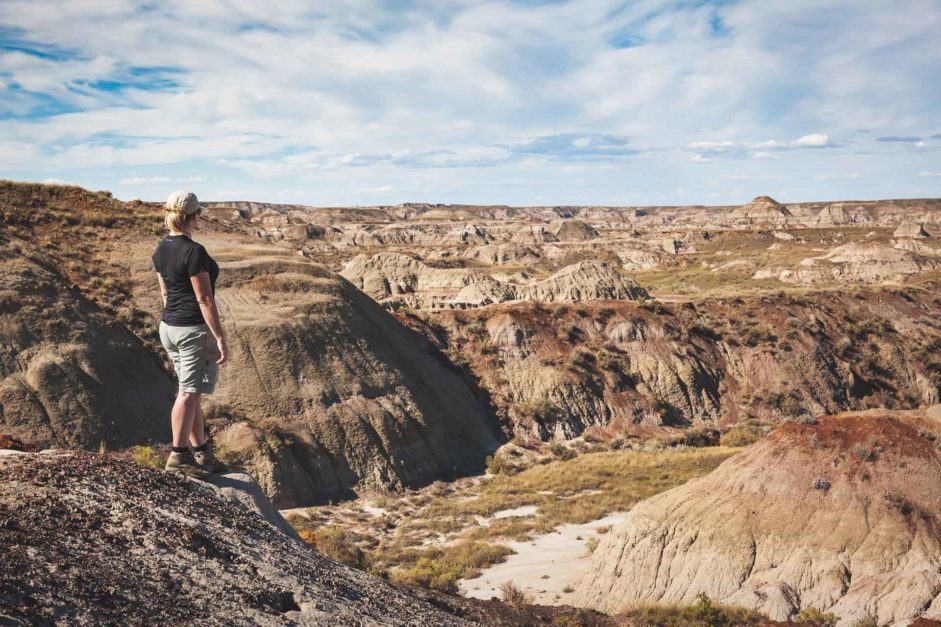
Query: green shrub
147	456
740	436
441	569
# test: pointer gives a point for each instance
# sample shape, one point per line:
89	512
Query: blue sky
516	102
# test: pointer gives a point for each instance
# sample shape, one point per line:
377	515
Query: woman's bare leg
198	432
183	416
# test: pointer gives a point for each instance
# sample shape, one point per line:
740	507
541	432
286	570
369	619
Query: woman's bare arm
207	304
163	289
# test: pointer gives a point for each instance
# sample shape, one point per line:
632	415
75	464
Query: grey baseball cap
185	202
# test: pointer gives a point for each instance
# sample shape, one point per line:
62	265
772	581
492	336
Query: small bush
514	595
899	503
821	484
864	452
759	335
560	451
147	456
591	544
740	436
337	544
816	617
499	464
541	410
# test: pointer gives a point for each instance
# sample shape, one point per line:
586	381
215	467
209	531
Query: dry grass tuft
514	595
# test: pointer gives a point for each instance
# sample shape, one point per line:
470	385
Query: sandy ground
561	555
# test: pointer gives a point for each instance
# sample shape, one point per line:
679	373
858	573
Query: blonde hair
177	221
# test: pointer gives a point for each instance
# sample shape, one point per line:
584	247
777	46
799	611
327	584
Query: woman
190	331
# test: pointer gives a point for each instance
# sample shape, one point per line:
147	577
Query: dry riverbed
549	567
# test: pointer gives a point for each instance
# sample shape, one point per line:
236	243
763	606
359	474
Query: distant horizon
210	200
549	102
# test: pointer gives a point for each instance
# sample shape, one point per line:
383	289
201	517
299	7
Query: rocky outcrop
911	230
572	230
583	281
841	516
762	210
503	254
91	540
396	279
840	213
868	262
70	375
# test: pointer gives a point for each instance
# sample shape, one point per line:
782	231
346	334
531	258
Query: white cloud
769	144
814	140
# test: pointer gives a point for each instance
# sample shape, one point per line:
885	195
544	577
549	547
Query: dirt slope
843	516
90	540
329	392
69	374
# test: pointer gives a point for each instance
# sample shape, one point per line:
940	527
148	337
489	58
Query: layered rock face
763	210
328	393
911	229
92	540
555	370
863	263
843	516
394	279
70	376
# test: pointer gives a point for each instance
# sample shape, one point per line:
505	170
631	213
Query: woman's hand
223	350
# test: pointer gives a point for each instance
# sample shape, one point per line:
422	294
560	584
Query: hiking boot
185	464
208	461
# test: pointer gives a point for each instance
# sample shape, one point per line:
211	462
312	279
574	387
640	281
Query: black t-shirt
178	258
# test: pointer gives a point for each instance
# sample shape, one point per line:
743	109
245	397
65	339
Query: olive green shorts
194	354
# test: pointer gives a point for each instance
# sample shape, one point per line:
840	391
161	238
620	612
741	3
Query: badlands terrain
428	390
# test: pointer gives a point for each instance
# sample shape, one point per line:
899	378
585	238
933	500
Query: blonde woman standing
190	331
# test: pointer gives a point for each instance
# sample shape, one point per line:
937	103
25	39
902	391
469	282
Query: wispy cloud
904	139
598	101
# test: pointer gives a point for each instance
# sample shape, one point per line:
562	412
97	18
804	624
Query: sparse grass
147	456
435	540
441	569
703	613
337	544
585	488
817	617
280	283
